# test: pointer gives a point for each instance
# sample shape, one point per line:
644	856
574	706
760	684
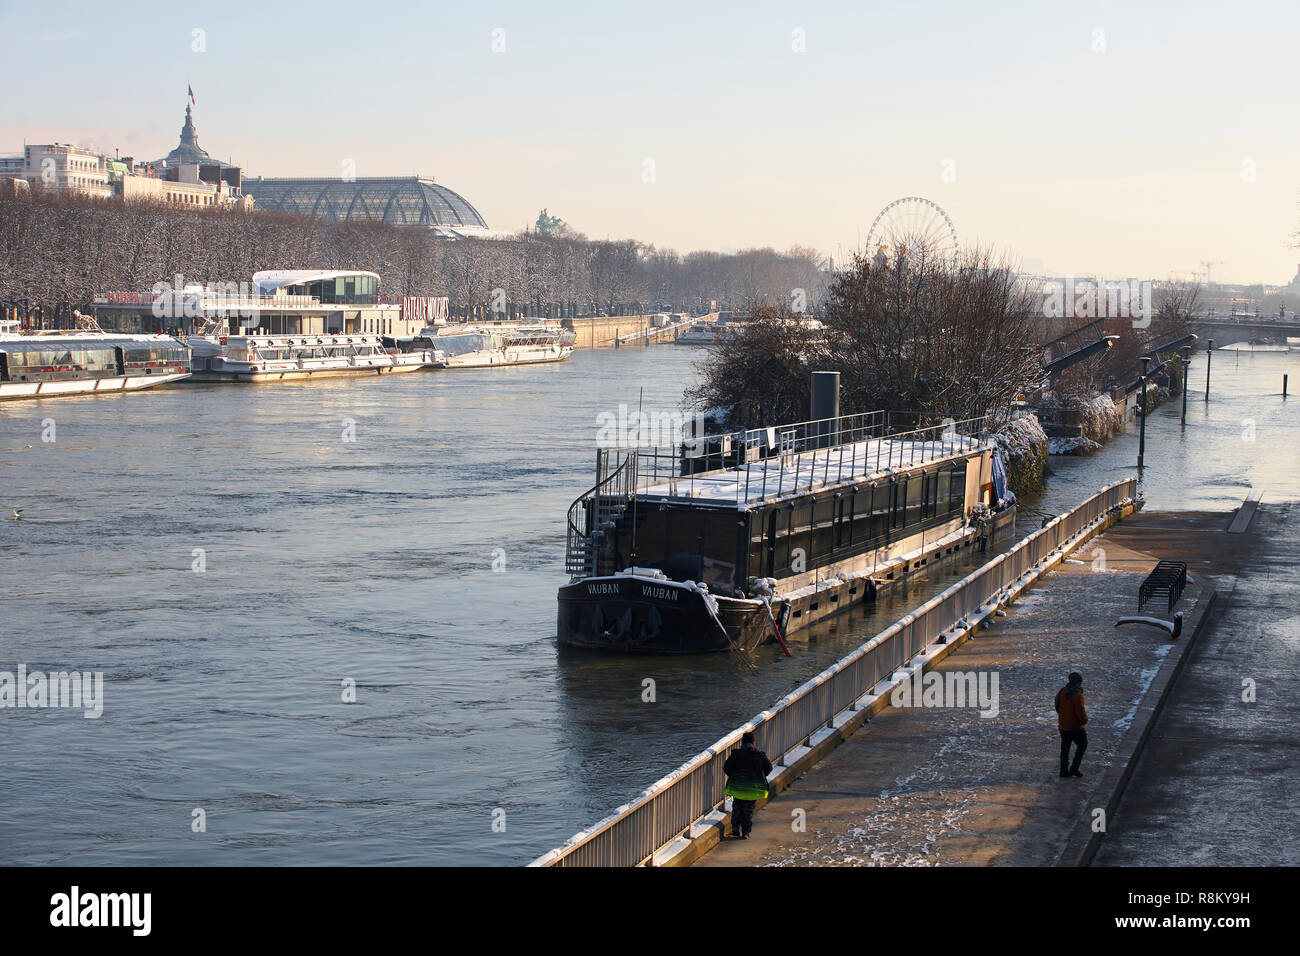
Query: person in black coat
746	770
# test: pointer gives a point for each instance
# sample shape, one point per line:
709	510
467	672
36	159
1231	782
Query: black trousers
742	816
1080	739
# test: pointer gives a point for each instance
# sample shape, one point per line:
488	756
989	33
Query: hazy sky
1125	138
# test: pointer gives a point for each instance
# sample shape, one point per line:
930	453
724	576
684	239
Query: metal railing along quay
634	832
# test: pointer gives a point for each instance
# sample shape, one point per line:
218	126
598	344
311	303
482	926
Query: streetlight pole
1209	351
1142	434
1187	365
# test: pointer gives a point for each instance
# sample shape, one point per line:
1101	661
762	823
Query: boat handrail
820	451
578	536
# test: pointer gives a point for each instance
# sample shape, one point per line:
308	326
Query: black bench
1168	578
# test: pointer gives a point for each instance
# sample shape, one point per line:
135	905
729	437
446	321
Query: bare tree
912	333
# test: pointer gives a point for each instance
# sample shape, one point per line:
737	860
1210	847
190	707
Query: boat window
858	521
461	344
62	358
153	356
957	488
781	540
687	545
915	500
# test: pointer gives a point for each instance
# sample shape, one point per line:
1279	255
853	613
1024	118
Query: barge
725	542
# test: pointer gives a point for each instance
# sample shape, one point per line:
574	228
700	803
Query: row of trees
62	250
913	332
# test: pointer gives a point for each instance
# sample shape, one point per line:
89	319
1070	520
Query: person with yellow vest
1070	718
746	770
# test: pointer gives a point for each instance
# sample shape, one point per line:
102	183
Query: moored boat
88	362
724	542
706	333
491	345
273	358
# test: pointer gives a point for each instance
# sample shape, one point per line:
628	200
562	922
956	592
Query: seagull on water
18	514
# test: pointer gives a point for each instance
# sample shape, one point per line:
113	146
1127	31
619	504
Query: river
238	560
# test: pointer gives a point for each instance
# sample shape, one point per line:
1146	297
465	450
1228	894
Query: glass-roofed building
397	200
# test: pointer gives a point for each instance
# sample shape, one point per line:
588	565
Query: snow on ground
942	786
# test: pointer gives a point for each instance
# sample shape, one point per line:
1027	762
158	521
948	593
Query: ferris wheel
910	225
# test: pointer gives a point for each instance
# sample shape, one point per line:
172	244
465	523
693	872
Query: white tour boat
483	346
273	358
81	362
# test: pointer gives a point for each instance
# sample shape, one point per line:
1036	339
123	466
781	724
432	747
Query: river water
237	560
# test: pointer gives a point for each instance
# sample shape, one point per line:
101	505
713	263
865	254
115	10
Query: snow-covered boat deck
799	472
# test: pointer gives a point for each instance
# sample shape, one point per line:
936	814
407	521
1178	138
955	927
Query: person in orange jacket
1070	718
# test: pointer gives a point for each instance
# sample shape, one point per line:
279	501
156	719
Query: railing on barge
790	459
595	510
669	808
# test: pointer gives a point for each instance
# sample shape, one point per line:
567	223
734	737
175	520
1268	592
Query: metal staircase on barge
593	514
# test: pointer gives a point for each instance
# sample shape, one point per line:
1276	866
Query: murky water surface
327	561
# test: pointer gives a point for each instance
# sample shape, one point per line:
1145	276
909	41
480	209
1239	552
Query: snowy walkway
1216	783
945	786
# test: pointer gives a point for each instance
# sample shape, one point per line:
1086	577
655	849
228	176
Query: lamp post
1142	434
1209	351
1187	365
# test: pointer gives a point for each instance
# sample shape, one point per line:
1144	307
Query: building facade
280	302
63	168
187	176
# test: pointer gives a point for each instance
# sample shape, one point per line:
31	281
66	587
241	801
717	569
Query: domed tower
188	150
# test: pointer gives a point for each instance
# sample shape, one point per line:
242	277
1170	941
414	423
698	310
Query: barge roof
799	473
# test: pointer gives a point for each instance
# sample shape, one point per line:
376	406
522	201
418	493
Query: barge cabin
718	543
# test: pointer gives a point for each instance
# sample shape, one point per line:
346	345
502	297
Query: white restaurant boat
274	358
484	346
85	362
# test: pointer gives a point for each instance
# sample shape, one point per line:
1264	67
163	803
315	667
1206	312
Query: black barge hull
639	615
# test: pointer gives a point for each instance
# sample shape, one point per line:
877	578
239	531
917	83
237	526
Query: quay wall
603	332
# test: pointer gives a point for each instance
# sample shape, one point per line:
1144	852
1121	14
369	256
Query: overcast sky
1124	138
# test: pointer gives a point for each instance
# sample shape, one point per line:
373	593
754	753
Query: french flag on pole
190	90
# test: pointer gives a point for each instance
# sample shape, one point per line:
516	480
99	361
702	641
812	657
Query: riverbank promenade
943	785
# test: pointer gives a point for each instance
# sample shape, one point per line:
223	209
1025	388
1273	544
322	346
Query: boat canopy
269	282
85	343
